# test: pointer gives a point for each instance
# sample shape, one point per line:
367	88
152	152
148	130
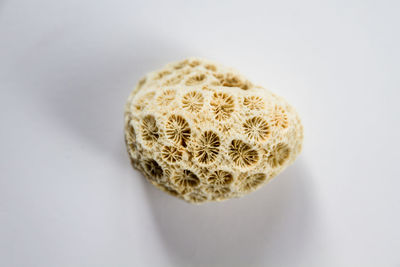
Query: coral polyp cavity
203	132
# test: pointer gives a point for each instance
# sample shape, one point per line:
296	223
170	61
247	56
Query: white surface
68	196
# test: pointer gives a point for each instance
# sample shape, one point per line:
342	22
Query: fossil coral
253	102
256	128
196	79
130	137
279	155
185	180
166	97
208	147
177	129
251	182
149	129
222	105
152	169
279	117
220	178
202	132
193	101
242	154
171	154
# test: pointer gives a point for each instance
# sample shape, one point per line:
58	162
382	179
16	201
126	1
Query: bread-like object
202	132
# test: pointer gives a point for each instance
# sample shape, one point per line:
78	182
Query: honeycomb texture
203	132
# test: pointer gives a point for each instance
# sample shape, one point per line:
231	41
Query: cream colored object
202	132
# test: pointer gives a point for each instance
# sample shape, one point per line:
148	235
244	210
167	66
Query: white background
69	197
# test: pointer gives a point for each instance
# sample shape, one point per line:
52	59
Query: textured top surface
201	131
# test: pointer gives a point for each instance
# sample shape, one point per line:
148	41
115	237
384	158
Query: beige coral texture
202	132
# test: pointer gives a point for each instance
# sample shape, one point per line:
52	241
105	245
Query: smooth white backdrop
68	196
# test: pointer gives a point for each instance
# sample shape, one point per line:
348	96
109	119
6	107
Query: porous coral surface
203	132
